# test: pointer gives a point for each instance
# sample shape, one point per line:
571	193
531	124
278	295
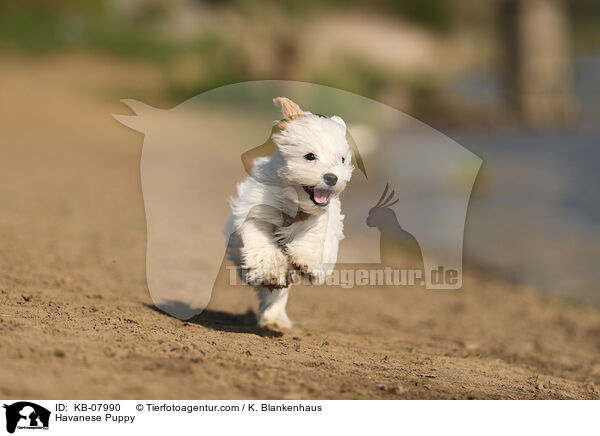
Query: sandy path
77	322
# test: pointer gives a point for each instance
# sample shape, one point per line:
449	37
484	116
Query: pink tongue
321	195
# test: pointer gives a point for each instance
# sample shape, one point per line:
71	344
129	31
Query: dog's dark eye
343	159
310	156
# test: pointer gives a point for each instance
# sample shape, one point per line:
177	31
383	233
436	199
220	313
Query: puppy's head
316	154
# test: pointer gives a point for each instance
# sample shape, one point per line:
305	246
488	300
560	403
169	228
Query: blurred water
485	87
535	214
586	82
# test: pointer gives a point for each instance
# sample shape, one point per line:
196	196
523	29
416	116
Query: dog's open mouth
320	197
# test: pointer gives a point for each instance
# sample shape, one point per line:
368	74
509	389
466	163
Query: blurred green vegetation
585	17
438	15
209	58
41	27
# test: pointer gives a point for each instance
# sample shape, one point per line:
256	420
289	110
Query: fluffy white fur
273	251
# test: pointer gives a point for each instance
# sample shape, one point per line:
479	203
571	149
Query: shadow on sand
225	321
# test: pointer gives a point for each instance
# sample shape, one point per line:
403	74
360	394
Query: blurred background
515	82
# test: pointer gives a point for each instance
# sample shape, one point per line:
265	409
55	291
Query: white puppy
287	215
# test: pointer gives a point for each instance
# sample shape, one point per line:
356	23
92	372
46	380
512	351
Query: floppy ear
338	120
289	109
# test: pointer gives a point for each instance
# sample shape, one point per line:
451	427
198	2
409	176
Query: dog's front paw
268	278
314	275
271	271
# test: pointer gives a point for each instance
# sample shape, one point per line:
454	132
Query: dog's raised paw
275	284
270	280
315	276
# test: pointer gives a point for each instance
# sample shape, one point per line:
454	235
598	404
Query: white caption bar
157	417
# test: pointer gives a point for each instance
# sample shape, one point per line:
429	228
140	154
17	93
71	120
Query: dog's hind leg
271	308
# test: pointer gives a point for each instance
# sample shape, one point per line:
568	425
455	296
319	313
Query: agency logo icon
24	415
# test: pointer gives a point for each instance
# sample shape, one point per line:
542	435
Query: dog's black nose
330	179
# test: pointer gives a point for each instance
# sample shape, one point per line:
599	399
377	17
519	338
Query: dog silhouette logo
190	167
26	415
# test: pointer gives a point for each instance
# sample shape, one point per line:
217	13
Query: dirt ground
76	319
